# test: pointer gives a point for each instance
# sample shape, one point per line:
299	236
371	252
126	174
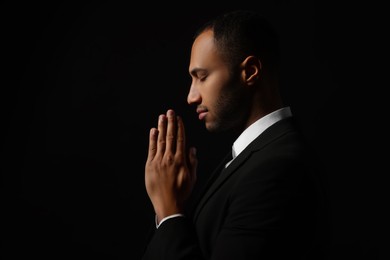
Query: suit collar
220	175
259	126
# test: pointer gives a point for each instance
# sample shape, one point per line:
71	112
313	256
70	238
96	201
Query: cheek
215	86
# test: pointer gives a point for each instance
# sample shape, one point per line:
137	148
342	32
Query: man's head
239	34
234	65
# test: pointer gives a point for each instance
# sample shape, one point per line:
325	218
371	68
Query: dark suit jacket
262	206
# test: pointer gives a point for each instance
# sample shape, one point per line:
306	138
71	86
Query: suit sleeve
175	239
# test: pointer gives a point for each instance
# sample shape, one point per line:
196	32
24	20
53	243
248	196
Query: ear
251	68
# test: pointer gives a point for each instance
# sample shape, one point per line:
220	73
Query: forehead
204	52
204	41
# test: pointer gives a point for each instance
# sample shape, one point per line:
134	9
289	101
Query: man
260	203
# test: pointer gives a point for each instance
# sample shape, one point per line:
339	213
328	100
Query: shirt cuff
171	216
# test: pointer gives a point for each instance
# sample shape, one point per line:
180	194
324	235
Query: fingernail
170	112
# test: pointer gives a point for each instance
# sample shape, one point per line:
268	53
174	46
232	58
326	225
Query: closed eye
200	74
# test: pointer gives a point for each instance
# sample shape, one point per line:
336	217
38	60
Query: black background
83	83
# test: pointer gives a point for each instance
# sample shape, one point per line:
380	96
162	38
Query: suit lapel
214	175
220	175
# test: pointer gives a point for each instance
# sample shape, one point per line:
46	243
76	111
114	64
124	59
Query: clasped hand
170	170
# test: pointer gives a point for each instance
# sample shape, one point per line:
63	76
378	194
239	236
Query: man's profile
260	202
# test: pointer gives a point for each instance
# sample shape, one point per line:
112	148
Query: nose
193	96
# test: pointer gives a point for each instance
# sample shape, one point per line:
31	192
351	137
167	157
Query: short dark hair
241	33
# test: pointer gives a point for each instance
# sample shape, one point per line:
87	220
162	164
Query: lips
201	113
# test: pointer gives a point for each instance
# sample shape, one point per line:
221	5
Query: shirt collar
256	128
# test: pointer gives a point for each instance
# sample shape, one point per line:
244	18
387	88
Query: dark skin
225	101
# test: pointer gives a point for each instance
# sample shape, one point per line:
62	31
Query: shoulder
279	152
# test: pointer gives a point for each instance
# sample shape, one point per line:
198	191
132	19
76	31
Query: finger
152	144
181	139
171	132
162	130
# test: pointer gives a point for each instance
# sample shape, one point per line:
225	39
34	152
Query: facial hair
231	109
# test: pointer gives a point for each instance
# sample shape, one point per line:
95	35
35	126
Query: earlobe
251	69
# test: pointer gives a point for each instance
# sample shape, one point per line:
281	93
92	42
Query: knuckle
170	137
169	158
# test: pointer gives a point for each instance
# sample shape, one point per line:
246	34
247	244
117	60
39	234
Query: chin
213	128
210	127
